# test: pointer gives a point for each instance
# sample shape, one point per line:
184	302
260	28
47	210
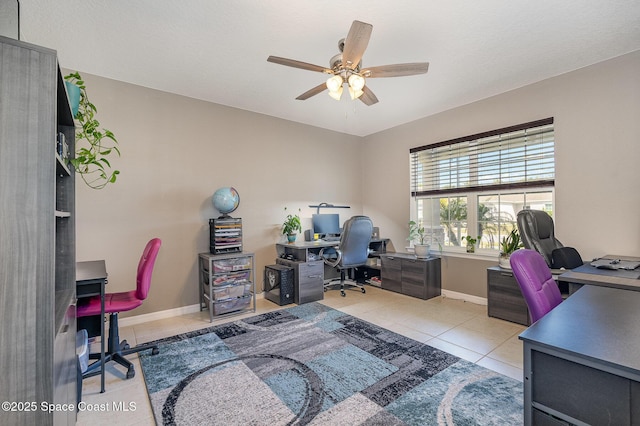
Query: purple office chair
539	289
121	302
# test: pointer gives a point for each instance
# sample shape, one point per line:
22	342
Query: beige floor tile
501	367
456	350
510	352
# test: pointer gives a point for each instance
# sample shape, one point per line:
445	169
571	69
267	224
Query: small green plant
93	144
471	243
510	243
291	224
416	232
470	240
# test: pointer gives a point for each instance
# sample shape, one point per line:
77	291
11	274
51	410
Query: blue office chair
353	251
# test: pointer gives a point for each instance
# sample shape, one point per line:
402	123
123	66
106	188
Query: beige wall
597	116
176	151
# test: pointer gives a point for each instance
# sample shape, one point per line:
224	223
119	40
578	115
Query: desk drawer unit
564	388
308	278
504	298
404	273
391	272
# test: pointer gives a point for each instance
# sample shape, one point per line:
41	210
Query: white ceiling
217	50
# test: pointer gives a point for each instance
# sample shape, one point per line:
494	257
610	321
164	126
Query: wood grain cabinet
404	273
504	298
308	280
37	244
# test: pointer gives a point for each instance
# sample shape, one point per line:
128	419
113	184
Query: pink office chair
121	302
539	289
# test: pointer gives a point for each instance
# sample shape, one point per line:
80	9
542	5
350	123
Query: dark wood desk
581	360
590	275
91	279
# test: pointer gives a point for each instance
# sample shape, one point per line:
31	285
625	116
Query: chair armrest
332	263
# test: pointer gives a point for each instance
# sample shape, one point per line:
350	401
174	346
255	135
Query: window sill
487	256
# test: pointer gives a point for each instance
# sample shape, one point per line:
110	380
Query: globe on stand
226	200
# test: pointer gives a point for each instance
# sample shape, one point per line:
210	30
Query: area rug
314	365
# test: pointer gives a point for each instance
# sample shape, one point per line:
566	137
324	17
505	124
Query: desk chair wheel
124	345
363	290
155	351
131	373
342	293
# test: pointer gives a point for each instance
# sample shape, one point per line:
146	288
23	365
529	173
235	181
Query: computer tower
278	284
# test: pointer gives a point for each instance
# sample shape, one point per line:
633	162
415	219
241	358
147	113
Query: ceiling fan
346	67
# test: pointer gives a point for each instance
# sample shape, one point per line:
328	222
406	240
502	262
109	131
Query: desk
581	360
309	267
587	274
305	251
91	278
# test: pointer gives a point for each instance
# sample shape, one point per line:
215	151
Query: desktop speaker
278	284
308	235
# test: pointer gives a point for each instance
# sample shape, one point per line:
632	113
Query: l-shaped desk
305	251
581	362
309	268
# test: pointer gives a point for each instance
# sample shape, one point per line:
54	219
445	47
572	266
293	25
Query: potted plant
471	243
508	245
291	225
93	144
417	235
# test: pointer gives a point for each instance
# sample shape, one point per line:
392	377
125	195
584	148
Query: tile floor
458	327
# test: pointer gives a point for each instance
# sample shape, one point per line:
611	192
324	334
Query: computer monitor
326	224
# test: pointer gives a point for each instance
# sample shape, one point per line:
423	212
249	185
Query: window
476	185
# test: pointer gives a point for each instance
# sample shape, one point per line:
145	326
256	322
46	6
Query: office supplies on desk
605	263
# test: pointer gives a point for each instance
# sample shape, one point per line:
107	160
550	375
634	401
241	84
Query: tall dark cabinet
37	238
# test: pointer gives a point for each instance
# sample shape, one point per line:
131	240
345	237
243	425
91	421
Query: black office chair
537	233
352	252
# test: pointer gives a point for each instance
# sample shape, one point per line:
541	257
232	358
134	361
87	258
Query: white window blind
520	156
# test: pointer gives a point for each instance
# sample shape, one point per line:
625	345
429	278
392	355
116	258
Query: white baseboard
169	313
463	296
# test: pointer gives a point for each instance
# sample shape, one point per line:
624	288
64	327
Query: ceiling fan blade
368	98
396	70
312	92
298	64
356	43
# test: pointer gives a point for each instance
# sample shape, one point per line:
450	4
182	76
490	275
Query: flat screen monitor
326	224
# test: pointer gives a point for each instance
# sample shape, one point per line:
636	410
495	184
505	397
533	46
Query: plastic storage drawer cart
227	283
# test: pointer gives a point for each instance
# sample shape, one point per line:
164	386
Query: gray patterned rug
314	365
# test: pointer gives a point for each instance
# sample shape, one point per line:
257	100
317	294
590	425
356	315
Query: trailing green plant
291	224
510	243
93	144
416	232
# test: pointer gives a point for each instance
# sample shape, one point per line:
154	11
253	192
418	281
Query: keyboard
331	239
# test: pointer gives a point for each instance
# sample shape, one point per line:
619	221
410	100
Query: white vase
504	262
421	250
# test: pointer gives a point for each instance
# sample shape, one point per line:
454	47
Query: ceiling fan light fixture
355	94
356	82
336	94
334	83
